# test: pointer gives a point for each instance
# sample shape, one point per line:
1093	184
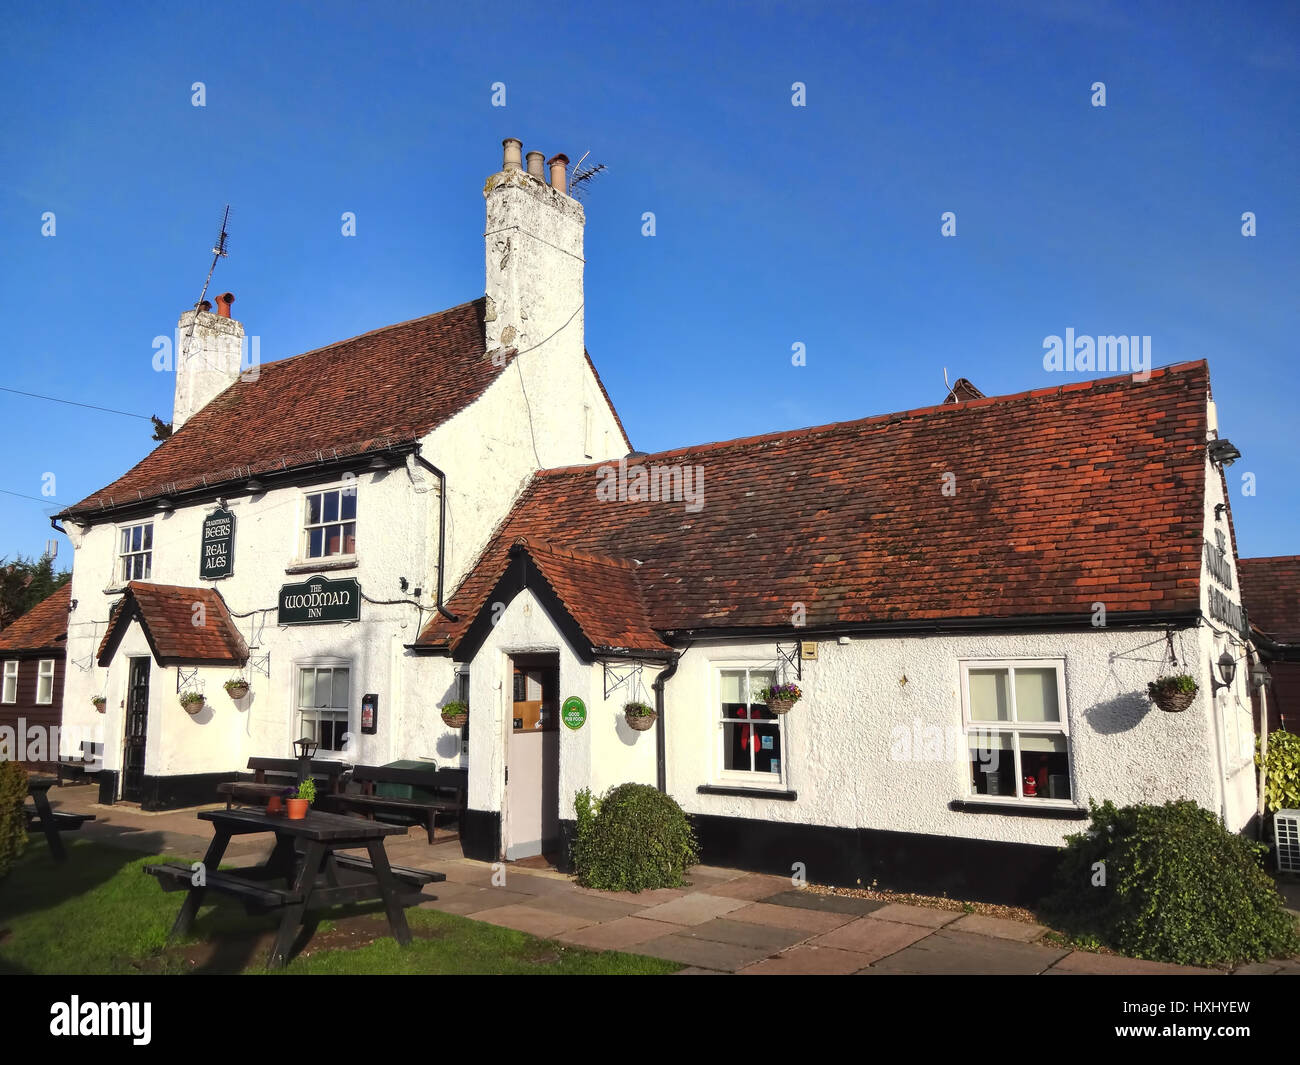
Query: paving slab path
722	921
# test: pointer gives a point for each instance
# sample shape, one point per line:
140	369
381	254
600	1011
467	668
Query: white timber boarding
547	409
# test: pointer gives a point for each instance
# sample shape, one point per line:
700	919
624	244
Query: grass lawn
98	913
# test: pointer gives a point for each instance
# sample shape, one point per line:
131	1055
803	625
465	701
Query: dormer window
135	557
331	525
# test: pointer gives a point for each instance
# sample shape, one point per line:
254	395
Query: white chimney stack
207	358
534	286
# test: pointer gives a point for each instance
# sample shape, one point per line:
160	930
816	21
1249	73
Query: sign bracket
617	675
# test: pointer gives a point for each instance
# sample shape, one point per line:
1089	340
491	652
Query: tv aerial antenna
219	252
581	174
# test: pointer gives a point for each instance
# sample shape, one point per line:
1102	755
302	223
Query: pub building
971	597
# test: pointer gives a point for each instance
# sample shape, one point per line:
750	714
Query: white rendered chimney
533	244
207	358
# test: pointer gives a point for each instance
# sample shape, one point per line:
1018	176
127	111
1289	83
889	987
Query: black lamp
1227	670
1260	677
1224	452
306	748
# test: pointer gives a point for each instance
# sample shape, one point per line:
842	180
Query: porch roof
167	614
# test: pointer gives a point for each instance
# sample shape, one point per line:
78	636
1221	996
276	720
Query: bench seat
177	876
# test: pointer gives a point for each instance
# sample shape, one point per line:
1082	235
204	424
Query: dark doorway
137	723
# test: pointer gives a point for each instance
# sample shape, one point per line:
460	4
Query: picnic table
307	859
271	776
47	820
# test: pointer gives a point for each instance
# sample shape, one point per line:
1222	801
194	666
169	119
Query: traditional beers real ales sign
217	552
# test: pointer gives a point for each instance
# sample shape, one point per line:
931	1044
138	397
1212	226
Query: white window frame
1016	728
43	674
296	680
724	777
146	553
7	696
305	528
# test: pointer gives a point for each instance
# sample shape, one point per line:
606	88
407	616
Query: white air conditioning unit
1286	837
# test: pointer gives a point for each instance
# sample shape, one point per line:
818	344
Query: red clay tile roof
1064	497
1270	592
389	386
166	613
44	626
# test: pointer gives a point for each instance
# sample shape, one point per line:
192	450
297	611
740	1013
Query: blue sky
775	224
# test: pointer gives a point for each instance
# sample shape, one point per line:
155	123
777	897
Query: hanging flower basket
780	698
640	716
100	703
1172	694
192	702
455	715
237	689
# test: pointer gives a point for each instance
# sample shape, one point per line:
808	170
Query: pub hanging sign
217	552
318	600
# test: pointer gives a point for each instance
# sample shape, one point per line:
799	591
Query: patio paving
723	921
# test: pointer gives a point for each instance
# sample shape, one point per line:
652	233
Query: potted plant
191	702
275	803
455	714
305	797
639	716
99	703
237	688
779	698
1172	694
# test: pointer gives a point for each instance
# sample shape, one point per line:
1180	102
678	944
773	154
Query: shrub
307	790
1282	774
13	821
634	838
1172	885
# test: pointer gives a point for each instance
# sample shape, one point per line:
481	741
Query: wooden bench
272	775
446	793
80	767
41	815
412	878
257	898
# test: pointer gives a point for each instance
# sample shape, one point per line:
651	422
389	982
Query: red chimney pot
223	304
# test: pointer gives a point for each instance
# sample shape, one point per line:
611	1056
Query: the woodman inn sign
319	599
1221	607
217	552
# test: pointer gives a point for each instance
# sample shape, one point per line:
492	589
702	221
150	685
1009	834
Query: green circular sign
574	712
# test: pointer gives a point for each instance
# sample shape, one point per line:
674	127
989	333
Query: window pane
340	688
148	537
767	748
1036	695
146	566
307	687
993	764
315	543
988	695
331	512
126	541
758	680
136	533
731	685
737	747
350	539
332	539
313	509
1045	764
350	504
309	728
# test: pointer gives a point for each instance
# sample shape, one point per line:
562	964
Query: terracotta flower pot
275	804
641	722
297	809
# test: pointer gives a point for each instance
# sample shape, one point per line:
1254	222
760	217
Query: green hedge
1170	883
13	822
634	838
1282	774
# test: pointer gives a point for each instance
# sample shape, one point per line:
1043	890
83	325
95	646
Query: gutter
442	528
661	752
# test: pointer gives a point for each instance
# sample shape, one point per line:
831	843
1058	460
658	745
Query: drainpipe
442	528
665	675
